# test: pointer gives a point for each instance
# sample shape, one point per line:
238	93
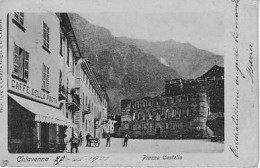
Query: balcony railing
73	102
62	92
86	110
76	100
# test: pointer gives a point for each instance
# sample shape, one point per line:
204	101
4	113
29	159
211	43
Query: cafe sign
34	93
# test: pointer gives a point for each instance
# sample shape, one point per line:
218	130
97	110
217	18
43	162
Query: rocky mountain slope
125	70
187	60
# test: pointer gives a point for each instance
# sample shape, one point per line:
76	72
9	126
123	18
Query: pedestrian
126	137
80	139
88	139
108	140
67	143
74	143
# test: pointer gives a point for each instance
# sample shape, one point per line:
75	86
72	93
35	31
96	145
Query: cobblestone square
155	146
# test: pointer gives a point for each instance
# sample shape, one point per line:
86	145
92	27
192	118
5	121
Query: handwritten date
92	159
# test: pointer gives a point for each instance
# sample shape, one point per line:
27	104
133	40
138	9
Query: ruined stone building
180	112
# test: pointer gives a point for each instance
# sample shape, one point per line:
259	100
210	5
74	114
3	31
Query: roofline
85	66
70	33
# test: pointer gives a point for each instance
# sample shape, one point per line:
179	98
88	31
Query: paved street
158	146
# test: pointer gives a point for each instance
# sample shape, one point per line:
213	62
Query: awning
43	113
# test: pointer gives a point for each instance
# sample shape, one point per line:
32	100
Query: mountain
187	60
125	70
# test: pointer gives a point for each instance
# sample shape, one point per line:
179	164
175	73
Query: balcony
86	110
62	92
73	102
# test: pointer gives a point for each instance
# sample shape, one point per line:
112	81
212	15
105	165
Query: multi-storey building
181	111
43	99
93	101
110	127
69	54
34	115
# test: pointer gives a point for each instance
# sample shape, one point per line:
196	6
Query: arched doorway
158	131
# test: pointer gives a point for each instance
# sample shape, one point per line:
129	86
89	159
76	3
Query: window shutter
26	65
46	30
47	34
43	76
20	67
61	44
47	78
44	34
21	20
16	60
16	16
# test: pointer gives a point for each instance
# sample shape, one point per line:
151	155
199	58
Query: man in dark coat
88	139
80	139
126	137
74	143
108	140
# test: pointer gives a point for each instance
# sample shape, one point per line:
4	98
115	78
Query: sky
203	30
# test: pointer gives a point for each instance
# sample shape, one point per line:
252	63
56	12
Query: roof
66	24
216	71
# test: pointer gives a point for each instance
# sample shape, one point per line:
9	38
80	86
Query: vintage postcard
136	83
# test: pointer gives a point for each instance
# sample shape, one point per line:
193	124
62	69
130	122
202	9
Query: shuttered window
19	17
46	35
16	60
21	63
45	77
26	65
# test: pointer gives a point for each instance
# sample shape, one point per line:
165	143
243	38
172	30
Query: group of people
76	142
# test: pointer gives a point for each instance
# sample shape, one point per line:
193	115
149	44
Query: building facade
110	128
69	54
180	112
43	99
93	101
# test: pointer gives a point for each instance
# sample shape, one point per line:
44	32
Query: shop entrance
20	128
44	137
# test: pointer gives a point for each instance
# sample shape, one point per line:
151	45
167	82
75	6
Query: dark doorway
20	128
44	137
158	131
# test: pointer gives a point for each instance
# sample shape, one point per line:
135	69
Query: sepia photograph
68	94
104	86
